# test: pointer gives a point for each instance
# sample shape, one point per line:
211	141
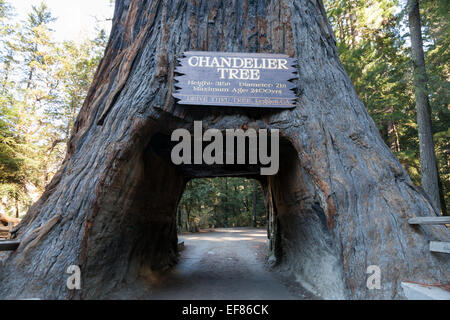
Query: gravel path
223	264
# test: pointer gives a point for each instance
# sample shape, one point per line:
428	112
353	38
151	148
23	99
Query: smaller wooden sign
236	80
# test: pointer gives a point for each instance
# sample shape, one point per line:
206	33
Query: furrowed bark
340	202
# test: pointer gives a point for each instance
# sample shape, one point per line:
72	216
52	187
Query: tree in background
373	47
12	178
428	165
43	85
221	202
373	52
42	88
436	36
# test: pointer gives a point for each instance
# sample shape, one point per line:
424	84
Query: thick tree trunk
428	164
340	202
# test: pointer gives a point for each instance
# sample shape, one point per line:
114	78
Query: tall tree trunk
188	220
392	136
339	203
428	164
16	205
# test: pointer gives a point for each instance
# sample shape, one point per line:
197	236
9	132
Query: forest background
43	83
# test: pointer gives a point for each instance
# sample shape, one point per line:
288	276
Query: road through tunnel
144	242
339	203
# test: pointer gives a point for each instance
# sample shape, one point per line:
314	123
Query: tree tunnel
143	240
339	203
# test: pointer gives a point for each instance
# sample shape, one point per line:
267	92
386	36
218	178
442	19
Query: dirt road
223	264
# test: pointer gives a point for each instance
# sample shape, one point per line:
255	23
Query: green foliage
436	14
10	161
43	85
374	49
221	202
42	88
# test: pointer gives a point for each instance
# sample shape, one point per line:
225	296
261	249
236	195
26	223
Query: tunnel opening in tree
299	238
224	202
344	203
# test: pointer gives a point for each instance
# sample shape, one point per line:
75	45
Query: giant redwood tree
339	203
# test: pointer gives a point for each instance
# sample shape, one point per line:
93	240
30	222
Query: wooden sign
236	80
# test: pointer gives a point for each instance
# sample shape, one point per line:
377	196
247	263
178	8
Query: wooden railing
435	246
